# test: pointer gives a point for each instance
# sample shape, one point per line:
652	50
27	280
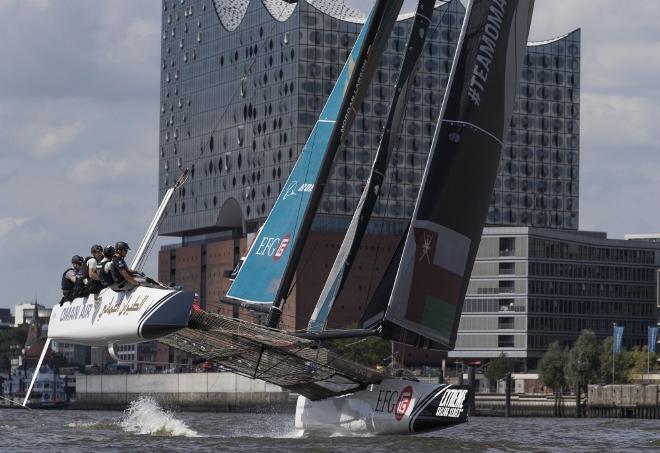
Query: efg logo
394	402
273	246
280	250
403	402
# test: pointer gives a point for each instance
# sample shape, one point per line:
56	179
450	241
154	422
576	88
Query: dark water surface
149	428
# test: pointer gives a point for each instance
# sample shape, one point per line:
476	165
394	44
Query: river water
148	427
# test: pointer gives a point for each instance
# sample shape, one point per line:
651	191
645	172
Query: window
507	268
505	341
507	246
505	323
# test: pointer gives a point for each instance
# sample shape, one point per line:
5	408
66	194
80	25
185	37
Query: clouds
81	48
79	121
50	139
92	169
9	223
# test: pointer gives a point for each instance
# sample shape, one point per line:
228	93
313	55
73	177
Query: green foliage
622	364
637	360
14	336
551	367
369	351
498	368
584	360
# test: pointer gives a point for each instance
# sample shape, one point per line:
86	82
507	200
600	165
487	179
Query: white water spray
145	416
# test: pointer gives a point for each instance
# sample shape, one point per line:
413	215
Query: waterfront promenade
230	392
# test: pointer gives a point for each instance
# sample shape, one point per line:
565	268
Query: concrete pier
191	391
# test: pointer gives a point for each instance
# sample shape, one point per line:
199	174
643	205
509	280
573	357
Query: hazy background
79	109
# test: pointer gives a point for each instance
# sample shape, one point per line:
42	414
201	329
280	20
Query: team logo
290	191
451	403
280	250
403	402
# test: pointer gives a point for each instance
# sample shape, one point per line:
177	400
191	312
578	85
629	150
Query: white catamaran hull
142	314
394	406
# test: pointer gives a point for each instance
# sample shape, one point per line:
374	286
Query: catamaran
419	299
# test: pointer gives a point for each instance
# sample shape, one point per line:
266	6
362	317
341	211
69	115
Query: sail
358	226
268	270
434	267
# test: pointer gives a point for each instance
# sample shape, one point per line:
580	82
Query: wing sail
434	269
358	226
268	270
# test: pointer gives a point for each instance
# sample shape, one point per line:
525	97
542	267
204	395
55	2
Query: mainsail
432	269
269	267
358	226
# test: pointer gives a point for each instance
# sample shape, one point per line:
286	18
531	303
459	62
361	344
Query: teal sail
390	133
267	273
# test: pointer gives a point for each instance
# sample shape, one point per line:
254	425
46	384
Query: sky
79	112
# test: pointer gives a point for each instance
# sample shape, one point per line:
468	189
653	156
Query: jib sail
434	266
268	270
358	226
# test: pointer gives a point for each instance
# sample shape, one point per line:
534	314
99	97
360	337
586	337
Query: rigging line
387	198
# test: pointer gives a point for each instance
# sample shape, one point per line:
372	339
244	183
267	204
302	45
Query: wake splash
145	416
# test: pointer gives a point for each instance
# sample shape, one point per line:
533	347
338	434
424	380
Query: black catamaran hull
394	406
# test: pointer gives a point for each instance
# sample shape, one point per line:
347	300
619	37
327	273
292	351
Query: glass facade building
533	286
243	82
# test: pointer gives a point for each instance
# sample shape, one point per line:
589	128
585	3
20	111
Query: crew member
93	282
104	267
70	278
122	275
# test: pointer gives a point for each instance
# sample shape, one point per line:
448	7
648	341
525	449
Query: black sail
433	269
390	132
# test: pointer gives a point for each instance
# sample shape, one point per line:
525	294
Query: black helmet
96	249
121	245
77	259
108	251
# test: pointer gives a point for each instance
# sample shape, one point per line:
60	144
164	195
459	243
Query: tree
13	336
637	360
498	368
583	364
368	351
622	364
551	367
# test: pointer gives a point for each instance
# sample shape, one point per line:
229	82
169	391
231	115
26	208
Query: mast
358	226
140	255
432	271
269	268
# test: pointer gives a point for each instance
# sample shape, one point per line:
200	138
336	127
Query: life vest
116	275
84	269
103	270
67	285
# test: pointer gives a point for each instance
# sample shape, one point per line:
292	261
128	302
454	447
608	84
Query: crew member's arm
92	270
129	278
71	275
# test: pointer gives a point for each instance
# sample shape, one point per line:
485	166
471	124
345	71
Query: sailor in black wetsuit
93	282
104	267
122	275
70	278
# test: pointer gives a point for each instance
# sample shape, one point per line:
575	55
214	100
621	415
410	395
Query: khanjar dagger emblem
426	247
